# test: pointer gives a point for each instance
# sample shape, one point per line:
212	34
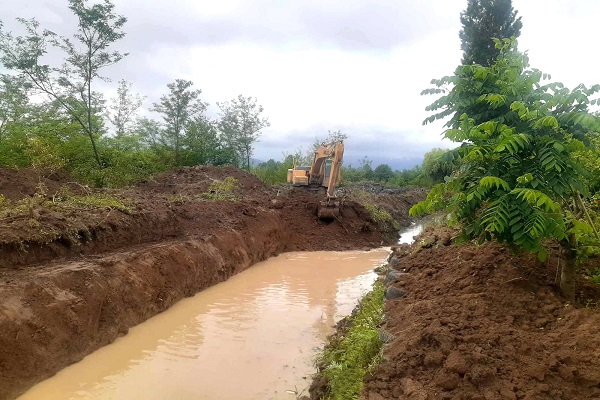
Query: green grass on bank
355	353
379	215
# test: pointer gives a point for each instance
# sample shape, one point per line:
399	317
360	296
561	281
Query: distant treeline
432	170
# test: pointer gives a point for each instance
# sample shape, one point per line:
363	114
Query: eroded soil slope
79	266
483	323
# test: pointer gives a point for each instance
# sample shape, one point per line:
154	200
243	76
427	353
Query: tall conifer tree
482	21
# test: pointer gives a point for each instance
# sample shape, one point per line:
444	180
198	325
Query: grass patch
595	276
98	200
354	353
80	212
64	200
381	216
222	190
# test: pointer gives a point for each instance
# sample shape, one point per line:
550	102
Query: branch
581	205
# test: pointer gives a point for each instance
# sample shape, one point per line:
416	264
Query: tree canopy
241	123
482	21
71	84
178	109
517	177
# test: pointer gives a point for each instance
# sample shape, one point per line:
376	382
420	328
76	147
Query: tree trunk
569	267
89	108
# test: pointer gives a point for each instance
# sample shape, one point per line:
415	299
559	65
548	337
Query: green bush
273	172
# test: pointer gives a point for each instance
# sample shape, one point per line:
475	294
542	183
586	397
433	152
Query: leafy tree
589	157
273	172
482	21
70	84
127	162
149	133
331	137
365	166
437	165
383	173
412	176
180	107
517	179
319	141
202	145
121	113
48	139
14	102
241	123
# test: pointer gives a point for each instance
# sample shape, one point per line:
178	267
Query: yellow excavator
324	172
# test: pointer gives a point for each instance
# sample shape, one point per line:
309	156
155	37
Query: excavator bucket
328	210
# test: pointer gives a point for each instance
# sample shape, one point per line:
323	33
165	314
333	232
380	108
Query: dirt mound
483	323
16	184
174	204
197	180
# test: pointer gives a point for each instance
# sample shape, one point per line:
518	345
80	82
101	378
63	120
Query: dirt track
72	280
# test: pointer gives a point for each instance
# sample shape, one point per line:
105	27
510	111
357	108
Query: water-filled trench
254	336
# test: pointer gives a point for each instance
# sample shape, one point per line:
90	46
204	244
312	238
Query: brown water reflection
252	337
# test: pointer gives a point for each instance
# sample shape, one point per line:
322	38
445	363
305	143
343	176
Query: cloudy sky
319	65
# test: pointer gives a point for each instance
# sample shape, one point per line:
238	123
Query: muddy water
407	236
252	337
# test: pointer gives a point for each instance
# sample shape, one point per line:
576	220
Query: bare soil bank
73	278
479	322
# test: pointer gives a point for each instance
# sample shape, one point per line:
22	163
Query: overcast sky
319	65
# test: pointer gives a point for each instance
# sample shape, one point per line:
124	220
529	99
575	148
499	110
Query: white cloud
315	65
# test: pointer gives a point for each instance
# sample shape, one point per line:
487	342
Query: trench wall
69	310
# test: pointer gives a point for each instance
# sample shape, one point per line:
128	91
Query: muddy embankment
479	322
76	274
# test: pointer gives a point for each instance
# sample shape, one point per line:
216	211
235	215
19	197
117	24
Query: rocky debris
392	293
393	275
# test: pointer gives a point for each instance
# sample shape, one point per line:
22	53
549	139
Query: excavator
323	172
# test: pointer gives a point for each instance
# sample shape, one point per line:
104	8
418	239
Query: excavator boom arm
336	167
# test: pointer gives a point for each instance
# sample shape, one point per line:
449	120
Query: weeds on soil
91	201
356	352
64	200
222	190
379	215
217	191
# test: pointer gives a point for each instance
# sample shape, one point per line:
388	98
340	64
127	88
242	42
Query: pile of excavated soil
194	180
19	183
478	322
73	278
171	206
